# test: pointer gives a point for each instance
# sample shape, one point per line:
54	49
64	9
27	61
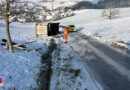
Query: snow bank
69	73
19	70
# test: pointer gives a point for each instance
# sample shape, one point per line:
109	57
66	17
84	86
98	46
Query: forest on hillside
114	3
102	4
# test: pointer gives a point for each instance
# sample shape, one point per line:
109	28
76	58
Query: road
109	67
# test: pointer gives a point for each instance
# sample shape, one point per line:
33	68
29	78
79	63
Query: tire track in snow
108	59
114	67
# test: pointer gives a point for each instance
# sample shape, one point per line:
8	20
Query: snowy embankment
19	70
69	72
115	31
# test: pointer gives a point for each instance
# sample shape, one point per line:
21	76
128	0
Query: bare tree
9	9
9	43
5	13
110	12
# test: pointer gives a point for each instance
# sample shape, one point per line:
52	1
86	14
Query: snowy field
90	22
19	70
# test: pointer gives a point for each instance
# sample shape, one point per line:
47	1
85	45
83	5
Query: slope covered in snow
93	1
19	70
91	23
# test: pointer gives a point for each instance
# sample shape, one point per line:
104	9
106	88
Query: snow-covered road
106	65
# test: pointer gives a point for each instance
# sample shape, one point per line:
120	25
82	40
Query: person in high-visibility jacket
65	35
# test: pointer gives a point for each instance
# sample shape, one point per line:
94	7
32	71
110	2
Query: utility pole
9	42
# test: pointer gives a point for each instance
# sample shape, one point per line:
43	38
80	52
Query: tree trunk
7	28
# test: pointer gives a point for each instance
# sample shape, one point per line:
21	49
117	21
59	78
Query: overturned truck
47	29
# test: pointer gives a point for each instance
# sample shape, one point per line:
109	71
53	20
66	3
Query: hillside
21	69
115	3
90	22
93	1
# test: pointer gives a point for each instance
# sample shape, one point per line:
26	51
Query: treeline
83	5
101	4
114	3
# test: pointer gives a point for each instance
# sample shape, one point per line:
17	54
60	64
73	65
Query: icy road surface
105	64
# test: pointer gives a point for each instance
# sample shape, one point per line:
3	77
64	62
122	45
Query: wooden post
7	28
36	29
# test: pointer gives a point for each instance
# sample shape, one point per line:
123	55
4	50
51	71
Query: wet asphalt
108	66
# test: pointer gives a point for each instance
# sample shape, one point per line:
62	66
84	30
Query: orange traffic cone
65	35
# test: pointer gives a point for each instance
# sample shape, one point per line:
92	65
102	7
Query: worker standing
65	35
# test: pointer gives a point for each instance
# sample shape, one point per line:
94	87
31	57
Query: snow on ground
69	73
90	22
19	70
54	5
57	3
93	1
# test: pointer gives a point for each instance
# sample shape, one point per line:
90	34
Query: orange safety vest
66	32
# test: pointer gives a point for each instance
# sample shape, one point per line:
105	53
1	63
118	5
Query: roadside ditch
44	76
